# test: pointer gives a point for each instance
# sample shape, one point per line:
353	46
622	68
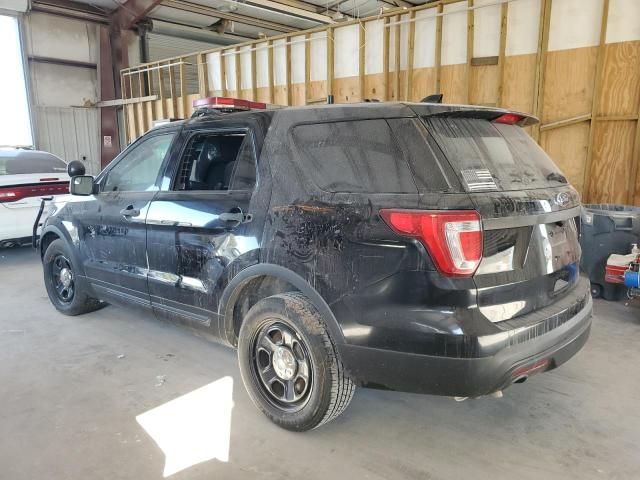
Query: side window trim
188	137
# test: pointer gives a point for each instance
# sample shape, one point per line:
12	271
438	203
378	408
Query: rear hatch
528	210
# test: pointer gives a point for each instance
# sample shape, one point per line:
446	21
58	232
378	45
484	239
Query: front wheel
67	291
289	364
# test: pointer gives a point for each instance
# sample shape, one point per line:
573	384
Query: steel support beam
109	136
131	12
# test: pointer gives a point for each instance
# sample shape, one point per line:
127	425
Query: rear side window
358	157
25	162
434	175
491	156
218	161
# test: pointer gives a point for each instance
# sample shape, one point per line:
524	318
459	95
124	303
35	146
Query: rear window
29	162
491	156
359	157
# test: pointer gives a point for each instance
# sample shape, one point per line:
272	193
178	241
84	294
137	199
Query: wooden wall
575	64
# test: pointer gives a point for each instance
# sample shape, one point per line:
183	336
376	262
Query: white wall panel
392	46
262	65
230	69
425	40
486	29
454	34
318	56
575	24
522	27
624	21
57	37
297	59
63	86
15	5
404	42
245	68
71	134
373	47
213	69
279	62
346	51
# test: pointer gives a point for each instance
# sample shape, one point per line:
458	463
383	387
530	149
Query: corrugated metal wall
70	133
58	91
165	46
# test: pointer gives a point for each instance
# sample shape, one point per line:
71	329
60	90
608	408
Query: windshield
491	156
24	162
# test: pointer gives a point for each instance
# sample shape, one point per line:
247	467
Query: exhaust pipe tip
521	379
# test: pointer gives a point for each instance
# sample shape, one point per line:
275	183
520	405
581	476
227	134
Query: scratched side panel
382	288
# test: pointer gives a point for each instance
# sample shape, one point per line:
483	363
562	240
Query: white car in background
26	177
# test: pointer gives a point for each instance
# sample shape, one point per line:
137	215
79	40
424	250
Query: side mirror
76	168
81	185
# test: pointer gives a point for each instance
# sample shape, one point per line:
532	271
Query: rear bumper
16	222
468	377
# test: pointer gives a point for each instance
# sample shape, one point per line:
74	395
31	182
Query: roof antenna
435	98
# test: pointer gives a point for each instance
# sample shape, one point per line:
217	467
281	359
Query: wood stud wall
588	99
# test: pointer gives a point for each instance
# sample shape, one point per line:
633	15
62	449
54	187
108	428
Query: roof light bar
228	104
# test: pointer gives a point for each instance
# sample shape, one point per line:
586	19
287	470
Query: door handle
235	216
231	217
130	211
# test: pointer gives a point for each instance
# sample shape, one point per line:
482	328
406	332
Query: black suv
406	246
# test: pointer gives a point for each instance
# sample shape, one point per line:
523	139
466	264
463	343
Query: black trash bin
607	229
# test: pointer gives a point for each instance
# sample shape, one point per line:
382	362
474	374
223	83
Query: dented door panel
190	247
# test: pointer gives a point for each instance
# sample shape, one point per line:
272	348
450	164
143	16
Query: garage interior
80	395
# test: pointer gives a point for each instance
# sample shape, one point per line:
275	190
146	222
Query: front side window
139	169
218	162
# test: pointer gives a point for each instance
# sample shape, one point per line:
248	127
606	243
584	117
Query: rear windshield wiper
555	176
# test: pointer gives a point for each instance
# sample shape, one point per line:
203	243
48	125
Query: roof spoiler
498	115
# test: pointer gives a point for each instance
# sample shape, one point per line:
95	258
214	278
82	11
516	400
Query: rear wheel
596	290
289	363
67	291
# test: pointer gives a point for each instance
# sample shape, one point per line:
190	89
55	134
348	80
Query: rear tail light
508	118
452	237
14	194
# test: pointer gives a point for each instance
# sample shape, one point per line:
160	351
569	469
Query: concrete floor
68	406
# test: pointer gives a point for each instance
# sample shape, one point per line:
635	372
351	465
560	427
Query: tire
289	321
596	290
76	301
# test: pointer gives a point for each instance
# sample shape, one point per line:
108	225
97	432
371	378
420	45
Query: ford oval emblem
562	199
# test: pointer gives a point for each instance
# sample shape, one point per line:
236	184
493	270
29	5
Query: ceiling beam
310	6
234	17
289	10
69	9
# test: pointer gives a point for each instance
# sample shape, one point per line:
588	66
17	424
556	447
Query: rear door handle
130	211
